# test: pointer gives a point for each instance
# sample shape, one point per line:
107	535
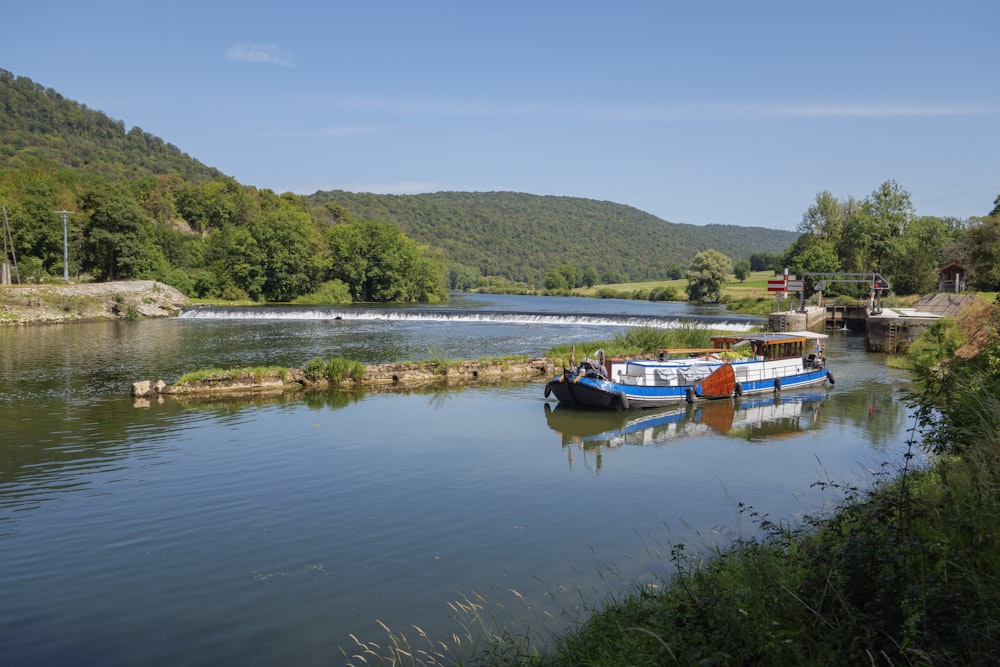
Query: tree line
549	242
880	234
883	234
217	239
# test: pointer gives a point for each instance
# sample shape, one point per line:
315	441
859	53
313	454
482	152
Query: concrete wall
889	334
893	335
812	319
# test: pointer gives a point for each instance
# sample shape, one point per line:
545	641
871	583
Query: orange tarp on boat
720	384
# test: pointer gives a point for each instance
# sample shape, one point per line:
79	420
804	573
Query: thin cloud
869	110
657	113
268	54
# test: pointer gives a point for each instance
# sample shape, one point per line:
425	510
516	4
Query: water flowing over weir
731	322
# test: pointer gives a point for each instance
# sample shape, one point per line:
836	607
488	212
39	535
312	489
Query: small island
343	374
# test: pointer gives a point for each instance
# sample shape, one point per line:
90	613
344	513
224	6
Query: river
271	531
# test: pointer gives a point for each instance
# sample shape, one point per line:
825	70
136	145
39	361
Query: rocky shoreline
122	300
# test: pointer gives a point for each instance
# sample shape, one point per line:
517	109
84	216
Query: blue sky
697	112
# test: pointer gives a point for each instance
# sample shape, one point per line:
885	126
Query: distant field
755	285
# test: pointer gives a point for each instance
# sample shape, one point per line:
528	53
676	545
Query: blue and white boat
737	365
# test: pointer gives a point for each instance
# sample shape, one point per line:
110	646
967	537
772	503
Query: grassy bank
905	573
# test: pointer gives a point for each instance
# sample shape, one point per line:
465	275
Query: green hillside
521	236
37	124
143	208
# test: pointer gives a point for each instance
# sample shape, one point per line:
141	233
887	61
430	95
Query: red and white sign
776	285
785	283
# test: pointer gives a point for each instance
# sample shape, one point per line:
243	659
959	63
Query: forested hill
37	123
56	153
521	236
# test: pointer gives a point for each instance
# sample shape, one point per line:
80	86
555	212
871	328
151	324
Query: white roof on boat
807	334
772	336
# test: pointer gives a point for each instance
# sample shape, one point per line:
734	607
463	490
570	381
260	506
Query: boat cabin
768	347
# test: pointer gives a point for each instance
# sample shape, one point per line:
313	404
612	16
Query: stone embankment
47	304
382	376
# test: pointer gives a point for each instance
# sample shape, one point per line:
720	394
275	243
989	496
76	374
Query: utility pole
8	250
65	245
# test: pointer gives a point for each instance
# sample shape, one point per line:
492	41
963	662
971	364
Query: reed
339	369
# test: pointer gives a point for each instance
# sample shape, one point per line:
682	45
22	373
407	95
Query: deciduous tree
824	219
705	275
983	242
742	270
116	242
379	263
292	253
871	233
918	256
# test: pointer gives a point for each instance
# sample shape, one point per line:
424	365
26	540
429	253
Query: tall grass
218	375
333	370
640	341
339	369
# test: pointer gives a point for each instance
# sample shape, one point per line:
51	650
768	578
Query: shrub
205	285
663	293
750	305
338	369
180	280
330	292
233	293
315	369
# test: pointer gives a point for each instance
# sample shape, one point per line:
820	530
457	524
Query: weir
728	322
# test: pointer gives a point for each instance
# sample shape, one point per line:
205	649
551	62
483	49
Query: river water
271	531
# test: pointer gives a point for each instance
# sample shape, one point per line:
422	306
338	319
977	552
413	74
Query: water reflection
266	528
755	419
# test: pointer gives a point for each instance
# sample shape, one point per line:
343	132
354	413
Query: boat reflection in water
752	418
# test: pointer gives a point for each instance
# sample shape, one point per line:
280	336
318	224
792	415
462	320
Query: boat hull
580	391
595	393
